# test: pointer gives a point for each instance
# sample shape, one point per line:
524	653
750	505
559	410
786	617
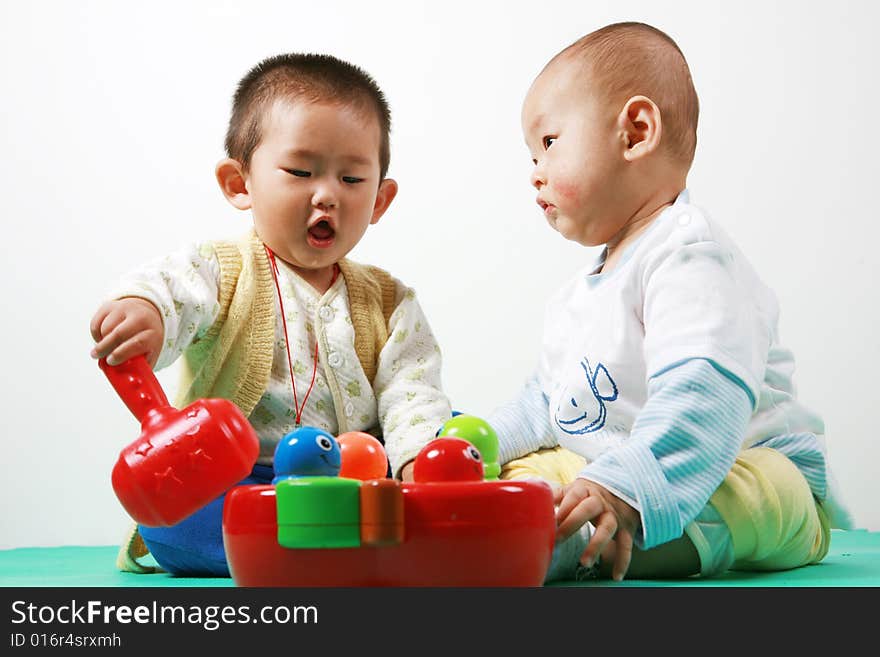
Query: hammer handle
136	385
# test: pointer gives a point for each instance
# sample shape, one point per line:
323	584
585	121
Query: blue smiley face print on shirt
581	408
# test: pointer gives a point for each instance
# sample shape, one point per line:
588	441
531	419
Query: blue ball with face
307	452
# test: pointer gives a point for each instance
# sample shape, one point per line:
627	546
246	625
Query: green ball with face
481	435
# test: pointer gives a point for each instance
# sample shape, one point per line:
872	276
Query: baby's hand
406	472
585	501
125	328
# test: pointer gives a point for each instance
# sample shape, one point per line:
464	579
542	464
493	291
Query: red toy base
489	533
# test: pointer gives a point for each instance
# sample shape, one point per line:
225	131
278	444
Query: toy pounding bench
331	516
471	534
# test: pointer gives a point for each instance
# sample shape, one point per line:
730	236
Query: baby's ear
642	127
386	194
233	183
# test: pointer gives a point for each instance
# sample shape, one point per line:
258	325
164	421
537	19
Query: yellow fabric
774	521
132	549
233	360
555	465
372	296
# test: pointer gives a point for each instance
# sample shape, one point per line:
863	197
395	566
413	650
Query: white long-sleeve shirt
406	402
660	371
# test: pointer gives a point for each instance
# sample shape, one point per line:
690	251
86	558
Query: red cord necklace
297	408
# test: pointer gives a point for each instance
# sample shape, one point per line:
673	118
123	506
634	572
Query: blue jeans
194	546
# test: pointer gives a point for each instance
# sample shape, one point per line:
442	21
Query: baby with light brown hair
662	409
627	92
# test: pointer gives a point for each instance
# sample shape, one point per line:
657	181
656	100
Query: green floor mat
853	560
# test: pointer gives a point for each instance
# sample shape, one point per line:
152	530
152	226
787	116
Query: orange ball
363	456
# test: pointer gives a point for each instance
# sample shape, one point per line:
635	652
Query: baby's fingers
108	333
623	555
603	532
571	518
97	320
558	494
568	497
136	345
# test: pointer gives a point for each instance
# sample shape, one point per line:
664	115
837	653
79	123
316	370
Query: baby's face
571	136
313	181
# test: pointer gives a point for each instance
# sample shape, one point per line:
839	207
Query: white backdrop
114	115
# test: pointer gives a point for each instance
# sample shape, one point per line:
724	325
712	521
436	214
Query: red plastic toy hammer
183	459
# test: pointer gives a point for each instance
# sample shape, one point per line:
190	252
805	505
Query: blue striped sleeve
681	447
807	454
523	424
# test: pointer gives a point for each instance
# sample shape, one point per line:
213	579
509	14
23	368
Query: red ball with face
363	456
448	459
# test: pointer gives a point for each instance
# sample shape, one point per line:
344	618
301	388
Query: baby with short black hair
280	321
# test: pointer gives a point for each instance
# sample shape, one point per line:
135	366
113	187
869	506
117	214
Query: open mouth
546	207
321	234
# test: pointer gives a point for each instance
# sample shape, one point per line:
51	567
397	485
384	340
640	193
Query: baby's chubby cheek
566	189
